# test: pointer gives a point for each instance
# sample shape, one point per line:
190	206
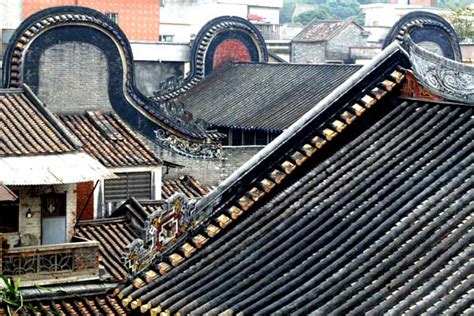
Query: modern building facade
181	20
139	19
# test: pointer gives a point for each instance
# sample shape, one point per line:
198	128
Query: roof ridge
314	23
266	170
98	221
293	64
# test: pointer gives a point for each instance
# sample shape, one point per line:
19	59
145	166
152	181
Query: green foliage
462	20
11	298
454	4
319	14
286	12
332	10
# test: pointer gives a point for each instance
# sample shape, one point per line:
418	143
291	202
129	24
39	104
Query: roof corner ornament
163	228
429	31
447	78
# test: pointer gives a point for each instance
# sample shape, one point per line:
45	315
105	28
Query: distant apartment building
10	18
380	18
139	19
423	3
387	14
181	20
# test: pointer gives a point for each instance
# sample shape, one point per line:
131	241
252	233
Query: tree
343	9
462	20
286	12
333	10
318	14
454	4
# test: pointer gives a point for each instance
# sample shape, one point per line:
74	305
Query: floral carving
163	228
447	78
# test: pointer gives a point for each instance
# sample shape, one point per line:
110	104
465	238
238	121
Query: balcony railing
79	258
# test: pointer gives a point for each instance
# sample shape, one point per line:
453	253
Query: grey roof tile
381	223
263	96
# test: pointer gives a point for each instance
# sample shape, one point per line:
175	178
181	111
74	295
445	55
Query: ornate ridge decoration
449	79
149	117
427	27
162	228
209	225
204	47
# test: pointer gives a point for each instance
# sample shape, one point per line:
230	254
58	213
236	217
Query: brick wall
308	53
73	77
209	172
85	195
139	19
338	48
86	260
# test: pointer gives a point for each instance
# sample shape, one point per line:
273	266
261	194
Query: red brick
84	190
139	19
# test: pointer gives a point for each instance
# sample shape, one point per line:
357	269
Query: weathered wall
30	199
73	77
308	53
467	53
364	52
149	74
338	48
209	172
85	195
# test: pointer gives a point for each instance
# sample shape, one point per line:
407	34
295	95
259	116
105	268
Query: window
136	184
53	205
237	137
9	213
167	38
113	16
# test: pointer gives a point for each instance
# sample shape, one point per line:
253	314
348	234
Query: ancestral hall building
362	205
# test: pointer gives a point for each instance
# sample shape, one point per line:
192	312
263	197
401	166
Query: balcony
77	259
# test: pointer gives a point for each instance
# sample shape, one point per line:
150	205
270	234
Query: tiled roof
89	305
107	138
114	235
6	194
320	31
188	185
265	96
382	225
364	205
27	127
